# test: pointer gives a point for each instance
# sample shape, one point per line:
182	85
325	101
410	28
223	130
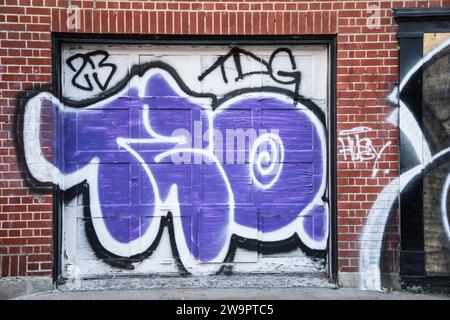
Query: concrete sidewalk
256	287
231	294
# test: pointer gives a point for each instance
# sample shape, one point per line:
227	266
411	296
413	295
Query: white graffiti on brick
354	147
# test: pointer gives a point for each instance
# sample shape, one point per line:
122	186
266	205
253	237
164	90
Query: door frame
58	39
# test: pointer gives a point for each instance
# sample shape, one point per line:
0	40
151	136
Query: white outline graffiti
371	241
296	226
444	196
42	170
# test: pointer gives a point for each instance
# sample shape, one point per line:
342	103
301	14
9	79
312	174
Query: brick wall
367	71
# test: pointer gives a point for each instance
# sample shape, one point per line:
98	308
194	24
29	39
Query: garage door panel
86	157
294	127
310	63
212	185
237	118
91	133
248	216
271	220
219	68
165	122
159	85
121	227
167	174
310	227
315	222
213	225
318	179
297	186
97	129
78	78
242	183
238	129
312	156
283	211
186	59
128	211
115	184
123	224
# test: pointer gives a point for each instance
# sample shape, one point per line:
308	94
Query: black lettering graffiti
286	77
87	60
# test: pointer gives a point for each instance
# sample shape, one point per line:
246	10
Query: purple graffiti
124	147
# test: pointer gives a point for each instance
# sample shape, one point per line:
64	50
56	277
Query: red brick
224	19
153	21
256	21
367	71
111	22
160	25
240	23
264	27
192	23
217	23
129	22
137	22
88	20
169	22
232	27
145	24
201	23
209	23
185	22
121	22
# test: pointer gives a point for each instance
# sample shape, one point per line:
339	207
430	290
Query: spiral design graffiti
268	161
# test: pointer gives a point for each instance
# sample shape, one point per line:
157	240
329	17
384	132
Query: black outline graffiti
87	59
236	53
412	95
408	95
236	242
140	70
109	257
167	221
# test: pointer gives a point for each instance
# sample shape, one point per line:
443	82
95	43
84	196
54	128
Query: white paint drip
444	196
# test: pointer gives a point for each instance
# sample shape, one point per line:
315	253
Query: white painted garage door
193	159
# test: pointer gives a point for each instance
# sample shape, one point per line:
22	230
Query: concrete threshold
192	282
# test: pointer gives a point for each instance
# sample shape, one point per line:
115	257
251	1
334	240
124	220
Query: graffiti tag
286	77
356	148
86	60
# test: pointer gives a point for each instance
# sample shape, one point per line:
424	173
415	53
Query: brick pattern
367	71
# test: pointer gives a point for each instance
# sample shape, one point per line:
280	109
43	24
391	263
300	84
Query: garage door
189	159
